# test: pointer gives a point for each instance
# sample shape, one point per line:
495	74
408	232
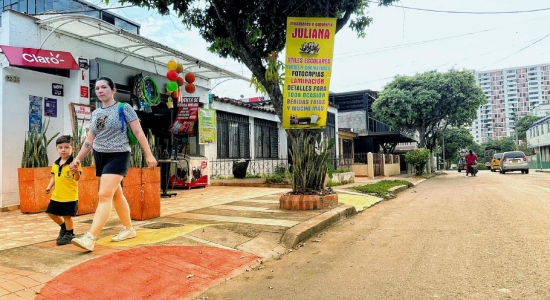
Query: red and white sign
30	57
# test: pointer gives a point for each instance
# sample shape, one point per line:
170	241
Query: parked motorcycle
472	170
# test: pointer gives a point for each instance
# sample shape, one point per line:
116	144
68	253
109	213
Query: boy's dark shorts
62	208
111	163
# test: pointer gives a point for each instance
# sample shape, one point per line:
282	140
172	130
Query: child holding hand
64	200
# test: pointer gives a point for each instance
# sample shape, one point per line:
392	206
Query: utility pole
444	161
515	118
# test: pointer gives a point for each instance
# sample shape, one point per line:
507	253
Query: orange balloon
190	88
180	81
190	77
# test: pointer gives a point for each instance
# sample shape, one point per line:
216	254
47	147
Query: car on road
495	162
461	164
514	161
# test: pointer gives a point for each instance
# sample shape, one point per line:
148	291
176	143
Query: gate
377	164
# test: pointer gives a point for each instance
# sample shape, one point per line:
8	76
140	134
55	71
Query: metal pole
516	129
444	161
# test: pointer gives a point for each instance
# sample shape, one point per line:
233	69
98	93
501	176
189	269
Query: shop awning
106	35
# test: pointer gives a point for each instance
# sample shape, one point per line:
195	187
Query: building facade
511	93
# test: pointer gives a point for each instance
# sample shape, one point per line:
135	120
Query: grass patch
331	183
381	188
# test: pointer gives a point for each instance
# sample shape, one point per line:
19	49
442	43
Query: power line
542	38
468	12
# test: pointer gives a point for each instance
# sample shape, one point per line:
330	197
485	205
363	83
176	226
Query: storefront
51	62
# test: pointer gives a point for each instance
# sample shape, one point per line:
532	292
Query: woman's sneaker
124	234
85	242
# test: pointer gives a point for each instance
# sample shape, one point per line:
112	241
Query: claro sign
38	58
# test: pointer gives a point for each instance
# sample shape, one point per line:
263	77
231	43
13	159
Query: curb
307	229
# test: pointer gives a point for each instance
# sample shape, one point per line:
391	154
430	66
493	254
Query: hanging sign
207	126
188	109
308	68
30	57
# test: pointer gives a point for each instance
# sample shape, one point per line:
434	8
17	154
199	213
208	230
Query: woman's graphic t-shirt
105	125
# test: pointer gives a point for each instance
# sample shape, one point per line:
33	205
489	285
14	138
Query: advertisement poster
81	115
50	107
207	126
309	50
188	109
35	113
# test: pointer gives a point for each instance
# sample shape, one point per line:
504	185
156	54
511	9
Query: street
450	237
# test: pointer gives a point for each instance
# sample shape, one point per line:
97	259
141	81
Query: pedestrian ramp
360	201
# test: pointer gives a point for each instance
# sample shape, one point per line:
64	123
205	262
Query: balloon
172	65
179	68
172	75
171	86
190	88
190	77
179	81
175	94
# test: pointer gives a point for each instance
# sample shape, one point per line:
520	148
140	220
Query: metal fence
268	166
259	166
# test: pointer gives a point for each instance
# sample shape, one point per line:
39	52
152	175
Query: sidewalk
202	237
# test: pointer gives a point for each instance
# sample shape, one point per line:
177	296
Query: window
330	131
233	135
266	137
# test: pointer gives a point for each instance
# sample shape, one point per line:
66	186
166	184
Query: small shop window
266	139
233	132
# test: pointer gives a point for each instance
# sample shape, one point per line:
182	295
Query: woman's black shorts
62	208
111	163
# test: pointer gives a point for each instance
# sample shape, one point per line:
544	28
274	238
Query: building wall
357	120
508	91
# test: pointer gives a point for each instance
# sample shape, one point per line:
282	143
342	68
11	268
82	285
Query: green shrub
381	188
341	171
418	158
35	149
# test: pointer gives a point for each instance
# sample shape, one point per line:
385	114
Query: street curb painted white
307	229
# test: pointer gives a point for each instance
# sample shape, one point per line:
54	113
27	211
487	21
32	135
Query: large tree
455	139
429	102
251	30
524	124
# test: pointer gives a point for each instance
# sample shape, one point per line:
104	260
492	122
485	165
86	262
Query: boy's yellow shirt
66	188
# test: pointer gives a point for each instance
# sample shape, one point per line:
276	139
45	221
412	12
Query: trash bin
240	167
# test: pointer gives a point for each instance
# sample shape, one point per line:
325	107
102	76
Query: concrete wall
353	119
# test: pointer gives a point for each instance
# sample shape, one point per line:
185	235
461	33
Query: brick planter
141	187
88	187
308	202
32	183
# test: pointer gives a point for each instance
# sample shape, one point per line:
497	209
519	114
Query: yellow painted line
151	236
361	202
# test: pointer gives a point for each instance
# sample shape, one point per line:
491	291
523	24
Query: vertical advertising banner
308	67
188	109
35	113
207	126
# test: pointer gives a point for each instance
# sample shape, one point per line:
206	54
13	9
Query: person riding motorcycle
470	158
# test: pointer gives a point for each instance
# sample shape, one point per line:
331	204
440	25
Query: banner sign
188	109
308	67
31	57
207	126
50	107
35	113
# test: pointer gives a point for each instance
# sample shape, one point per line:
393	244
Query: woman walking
111	149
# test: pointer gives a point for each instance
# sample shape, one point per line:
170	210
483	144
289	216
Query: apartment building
511	94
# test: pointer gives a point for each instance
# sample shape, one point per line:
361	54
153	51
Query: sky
400	41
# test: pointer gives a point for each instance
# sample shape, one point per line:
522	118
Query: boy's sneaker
124	234
65	239
85	242
61	234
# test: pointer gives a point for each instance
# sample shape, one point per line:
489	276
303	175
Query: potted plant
35	173
88	185
310	166
141	186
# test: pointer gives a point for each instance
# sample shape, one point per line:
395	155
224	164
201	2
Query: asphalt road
450	237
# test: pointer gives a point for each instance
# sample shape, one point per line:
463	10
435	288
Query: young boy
64	201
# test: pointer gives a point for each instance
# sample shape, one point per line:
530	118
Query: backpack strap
121	116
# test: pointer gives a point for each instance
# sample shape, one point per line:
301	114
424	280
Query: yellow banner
308	67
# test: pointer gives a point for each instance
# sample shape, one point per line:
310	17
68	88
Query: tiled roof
264	106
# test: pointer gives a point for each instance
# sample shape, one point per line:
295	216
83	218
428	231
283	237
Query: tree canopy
429	102
249	30
455	139
523	124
